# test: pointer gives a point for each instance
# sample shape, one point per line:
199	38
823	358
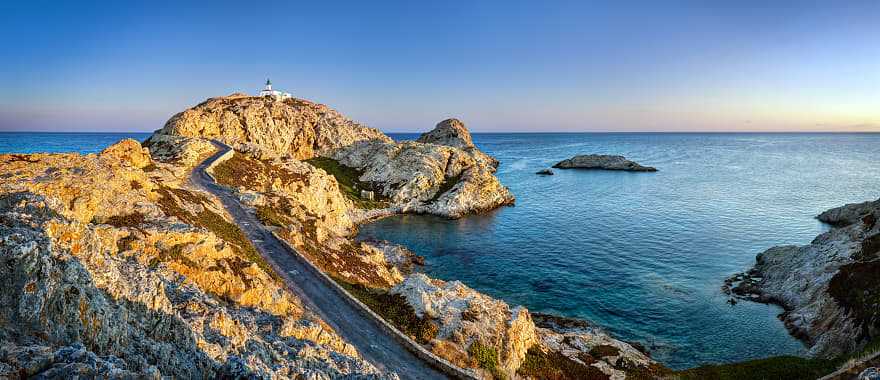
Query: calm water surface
51	142
644	254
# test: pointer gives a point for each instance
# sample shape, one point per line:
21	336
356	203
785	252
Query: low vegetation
211	221
132	220
448	184
252	174
349	182
394	309
270	216
556	366
778	368
486	357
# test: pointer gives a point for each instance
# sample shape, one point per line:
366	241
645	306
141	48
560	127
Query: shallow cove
644	254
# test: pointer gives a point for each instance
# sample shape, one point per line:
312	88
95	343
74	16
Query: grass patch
252	174
394	309
556	366
271	217
174	253
130	220
213	222
776	368
349	184
604	350
448	184
486	357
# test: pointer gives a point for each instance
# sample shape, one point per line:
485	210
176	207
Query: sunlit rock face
441	173
113	270
267	128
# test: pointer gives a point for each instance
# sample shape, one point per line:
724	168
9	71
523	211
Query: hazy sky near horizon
402	66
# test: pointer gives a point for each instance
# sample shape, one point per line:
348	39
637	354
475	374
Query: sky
500	66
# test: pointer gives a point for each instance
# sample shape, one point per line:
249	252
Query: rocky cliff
442	173
267	128
829	288
110	269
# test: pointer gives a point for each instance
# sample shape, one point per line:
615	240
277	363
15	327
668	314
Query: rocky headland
602	162
117	266
828	288
114	268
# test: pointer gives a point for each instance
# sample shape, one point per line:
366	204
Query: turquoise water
50	142
644	254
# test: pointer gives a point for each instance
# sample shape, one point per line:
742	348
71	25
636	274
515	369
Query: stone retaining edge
437	362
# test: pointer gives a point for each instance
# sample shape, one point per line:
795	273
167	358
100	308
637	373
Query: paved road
374	344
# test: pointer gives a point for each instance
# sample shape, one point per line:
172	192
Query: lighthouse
277	95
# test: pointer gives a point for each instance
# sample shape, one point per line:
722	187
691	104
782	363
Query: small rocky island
602	162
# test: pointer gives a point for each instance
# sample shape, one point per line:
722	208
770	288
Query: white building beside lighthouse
278	95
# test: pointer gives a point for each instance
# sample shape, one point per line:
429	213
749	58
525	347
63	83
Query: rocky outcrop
428	178
544	172
449	132
603	162
473	325
267	128
443	174
848	214
829	288
466	317
109	272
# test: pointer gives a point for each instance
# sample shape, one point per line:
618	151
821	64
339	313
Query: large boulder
128	151
449	132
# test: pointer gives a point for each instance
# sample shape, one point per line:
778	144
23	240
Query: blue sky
403	66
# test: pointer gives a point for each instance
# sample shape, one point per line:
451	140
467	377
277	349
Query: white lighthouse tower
277	95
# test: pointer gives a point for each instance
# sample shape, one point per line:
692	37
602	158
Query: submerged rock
544	172
603	162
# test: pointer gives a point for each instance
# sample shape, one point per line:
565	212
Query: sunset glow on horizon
498	66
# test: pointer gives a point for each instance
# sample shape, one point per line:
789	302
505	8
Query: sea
643	255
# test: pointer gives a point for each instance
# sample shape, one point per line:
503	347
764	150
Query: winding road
375	344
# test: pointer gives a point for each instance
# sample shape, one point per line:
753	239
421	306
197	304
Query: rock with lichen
111	272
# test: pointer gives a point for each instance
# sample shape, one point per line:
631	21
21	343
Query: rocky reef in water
114	268
602	162
830	288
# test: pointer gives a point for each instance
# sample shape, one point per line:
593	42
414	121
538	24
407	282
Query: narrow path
372	342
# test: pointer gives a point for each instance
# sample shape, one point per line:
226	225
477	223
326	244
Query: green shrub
349	182
556	366
394	309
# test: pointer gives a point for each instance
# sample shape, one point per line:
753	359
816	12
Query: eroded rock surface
109	272
267	128
449	132
443	174
829	287
602	162
428	178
